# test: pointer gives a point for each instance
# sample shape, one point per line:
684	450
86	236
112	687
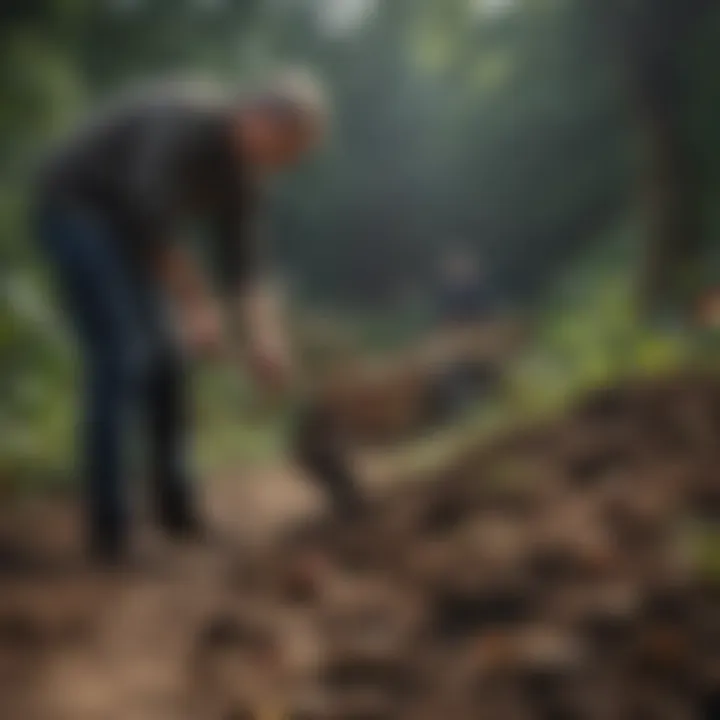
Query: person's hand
267	352
204	330
270	365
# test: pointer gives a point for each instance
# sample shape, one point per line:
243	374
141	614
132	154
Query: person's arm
155	196
179	275
254	304
265	334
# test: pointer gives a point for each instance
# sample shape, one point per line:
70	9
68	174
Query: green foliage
589	332
502	125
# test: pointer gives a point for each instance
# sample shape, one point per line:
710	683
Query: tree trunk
670	185
651	35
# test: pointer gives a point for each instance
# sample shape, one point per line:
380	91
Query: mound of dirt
556	574
566	571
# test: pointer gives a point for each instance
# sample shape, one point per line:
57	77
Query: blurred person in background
465	300
465	295
112	203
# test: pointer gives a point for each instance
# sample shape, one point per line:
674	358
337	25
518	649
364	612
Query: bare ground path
80	645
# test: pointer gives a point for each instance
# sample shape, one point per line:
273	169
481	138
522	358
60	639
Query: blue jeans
133	368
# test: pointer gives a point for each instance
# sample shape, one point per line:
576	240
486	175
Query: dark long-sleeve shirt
155	160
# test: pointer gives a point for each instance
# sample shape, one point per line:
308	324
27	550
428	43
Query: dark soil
564	572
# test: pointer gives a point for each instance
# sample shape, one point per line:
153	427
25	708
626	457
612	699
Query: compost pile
567	571
558	574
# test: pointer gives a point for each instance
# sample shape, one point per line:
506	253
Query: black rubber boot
319	449
177	514
107	544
